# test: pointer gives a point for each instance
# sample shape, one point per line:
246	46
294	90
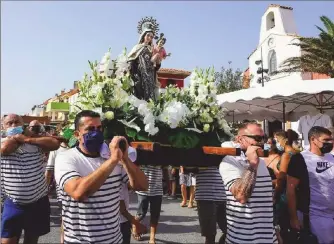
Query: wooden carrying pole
151	153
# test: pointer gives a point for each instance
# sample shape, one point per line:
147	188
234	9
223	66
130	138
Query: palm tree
317	52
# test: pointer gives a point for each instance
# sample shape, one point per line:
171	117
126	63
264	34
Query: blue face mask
279	147
93	141
14	131
267	147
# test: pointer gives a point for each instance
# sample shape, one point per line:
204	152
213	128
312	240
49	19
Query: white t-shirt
321	177
251	222
124	189
95	220
307	122
125	197
51	165
52	157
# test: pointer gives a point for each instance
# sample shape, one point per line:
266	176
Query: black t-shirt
298	169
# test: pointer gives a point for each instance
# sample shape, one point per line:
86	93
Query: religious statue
159	52
143	70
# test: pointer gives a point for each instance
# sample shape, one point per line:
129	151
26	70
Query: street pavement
176	225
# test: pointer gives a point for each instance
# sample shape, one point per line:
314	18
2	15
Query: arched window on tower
270	20
272	61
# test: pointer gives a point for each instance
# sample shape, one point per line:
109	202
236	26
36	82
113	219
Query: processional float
177	127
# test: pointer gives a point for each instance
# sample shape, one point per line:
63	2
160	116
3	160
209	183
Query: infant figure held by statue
159	52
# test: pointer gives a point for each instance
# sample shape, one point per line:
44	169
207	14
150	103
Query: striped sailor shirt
22	174
154	178
96	219
251	222
209	185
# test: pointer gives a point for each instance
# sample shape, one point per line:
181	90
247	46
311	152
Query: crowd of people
287	197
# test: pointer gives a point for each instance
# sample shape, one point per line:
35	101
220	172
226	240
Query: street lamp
261	71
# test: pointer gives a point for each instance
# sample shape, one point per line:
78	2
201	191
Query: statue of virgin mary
142	70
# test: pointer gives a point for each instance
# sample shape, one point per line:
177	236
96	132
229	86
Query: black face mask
327	147
36	129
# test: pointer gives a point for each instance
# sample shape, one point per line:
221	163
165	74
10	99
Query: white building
277	32
37	110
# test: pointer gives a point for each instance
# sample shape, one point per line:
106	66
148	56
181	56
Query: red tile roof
66	94
317	76
173	71
47	101
70	93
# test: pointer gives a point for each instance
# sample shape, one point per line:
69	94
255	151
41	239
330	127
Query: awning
299	98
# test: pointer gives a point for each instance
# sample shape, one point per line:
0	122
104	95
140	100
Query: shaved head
250	129
35	123
12	120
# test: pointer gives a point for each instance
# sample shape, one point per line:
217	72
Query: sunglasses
256	138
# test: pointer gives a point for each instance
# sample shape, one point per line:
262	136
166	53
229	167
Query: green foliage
183	139
317	52
228	80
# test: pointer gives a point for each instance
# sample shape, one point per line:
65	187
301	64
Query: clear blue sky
45	45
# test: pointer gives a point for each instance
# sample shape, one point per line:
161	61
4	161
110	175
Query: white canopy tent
281	100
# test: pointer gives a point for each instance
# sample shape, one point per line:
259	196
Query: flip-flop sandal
137	237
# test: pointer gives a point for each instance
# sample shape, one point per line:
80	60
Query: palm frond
317	53
328	24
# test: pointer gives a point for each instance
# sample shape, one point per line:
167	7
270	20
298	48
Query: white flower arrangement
108	90
174	113
146	113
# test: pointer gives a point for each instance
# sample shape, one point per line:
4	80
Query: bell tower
277	20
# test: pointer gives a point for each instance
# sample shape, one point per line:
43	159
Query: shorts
33	218
126	232
210	213
155	207
172	177
188	179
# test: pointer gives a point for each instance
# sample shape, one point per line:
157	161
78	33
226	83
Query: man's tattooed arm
243	187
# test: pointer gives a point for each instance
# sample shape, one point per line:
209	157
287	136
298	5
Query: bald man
248	186
36	128
27	205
